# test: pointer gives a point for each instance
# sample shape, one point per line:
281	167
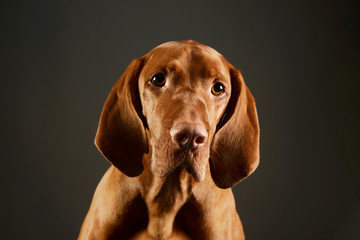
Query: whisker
211	158
214	151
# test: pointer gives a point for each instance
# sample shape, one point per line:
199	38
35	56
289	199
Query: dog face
185	106
184	90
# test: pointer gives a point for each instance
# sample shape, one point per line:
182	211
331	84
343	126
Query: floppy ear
235	148
121	135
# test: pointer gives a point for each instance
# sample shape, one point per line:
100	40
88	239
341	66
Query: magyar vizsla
180	128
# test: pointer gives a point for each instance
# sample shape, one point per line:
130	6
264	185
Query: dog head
185	106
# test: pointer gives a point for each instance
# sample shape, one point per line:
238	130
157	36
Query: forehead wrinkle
165	59
178	68
206	63
212	73
176	65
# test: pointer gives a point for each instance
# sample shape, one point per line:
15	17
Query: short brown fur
159	187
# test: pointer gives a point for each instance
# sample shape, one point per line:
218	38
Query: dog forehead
186	56
187	44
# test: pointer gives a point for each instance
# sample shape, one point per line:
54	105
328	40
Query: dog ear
121	136
235	148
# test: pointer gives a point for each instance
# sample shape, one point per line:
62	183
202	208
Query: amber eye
217	89
158	80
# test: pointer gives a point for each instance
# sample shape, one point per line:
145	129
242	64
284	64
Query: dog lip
188	158
188	153
192	166
198	174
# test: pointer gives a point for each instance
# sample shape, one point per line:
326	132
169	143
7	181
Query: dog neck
164	198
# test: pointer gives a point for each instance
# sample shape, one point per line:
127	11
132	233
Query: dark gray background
59	60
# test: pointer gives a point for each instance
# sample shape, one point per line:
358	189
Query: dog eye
217	89
158	80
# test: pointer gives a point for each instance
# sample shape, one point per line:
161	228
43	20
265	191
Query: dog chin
194	163
198	175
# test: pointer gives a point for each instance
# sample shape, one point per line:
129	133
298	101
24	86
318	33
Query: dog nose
188	135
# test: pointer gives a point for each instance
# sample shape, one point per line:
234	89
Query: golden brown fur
176	150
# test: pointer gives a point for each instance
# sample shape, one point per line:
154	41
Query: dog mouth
194	165
194	162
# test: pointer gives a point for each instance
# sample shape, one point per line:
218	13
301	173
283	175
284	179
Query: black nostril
182	139
189	136
200	140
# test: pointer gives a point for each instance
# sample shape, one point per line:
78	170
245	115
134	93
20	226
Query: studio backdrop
300	59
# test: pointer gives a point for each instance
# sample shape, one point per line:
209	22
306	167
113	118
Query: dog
180	128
